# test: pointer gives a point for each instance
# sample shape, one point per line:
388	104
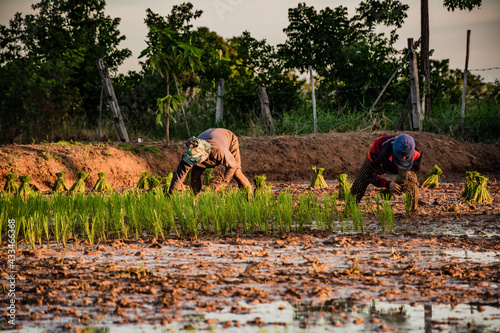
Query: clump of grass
24	189
344	186
11	186
208	173
476	188
431	180
143	183
60	184
260	184
318	181
79	185
102	183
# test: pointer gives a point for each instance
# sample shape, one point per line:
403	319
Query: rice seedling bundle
410	187
79	185
24	189
208	173
318	181
165	181
153	182
11	186
102	183
260	184
143	183
344	186
60	184
476	188
431	180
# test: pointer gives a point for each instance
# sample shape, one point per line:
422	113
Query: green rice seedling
431	180
261	185
318	181
79	185
143	183
344	186
60	184
284	211
306	210
208	175
385	194
384	214
25	189
11	186
408	200
476	188
329	211
352	208
102	183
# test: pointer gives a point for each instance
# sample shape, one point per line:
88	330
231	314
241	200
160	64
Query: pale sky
266	20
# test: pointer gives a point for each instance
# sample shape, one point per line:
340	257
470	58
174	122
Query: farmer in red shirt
215	146
387	154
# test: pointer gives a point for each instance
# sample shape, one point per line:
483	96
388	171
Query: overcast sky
266	19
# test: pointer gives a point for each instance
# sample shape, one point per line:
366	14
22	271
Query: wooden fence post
219	109
265	112
416	118
313	100
465	79
121	131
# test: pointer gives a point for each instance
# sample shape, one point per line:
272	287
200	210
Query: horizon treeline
50	88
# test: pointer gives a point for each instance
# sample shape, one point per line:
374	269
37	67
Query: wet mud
438	271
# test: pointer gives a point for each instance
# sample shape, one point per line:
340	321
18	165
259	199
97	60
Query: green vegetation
135	214
384	213
180	59
261	184
318	181
79	185
24	189
11	186
208	173
476	188
60	183
143	183
102	183
431	180
139	149
344	186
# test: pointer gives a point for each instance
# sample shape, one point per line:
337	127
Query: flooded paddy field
439	271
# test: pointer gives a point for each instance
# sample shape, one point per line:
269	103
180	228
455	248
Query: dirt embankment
280	158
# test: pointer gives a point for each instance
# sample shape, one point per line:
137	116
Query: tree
425	36
345	52
54	50
171	53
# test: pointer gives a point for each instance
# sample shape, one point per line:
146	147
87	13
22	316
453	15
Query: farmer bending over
215	146
389	154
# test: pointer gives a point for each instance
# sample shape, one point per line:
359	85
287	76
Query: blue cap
403	149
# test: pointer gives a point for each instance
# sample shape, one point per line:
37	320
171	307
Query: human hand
394	188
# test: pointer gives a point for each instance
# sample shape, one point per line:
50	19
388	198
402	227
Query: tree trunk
182	108
339	105
424	60
168	115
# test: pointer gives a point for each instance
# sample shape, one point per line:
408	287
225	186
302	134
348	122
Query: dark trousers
361	182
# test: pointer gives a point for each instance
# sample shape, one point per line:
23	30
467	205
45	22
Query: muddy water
297	283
